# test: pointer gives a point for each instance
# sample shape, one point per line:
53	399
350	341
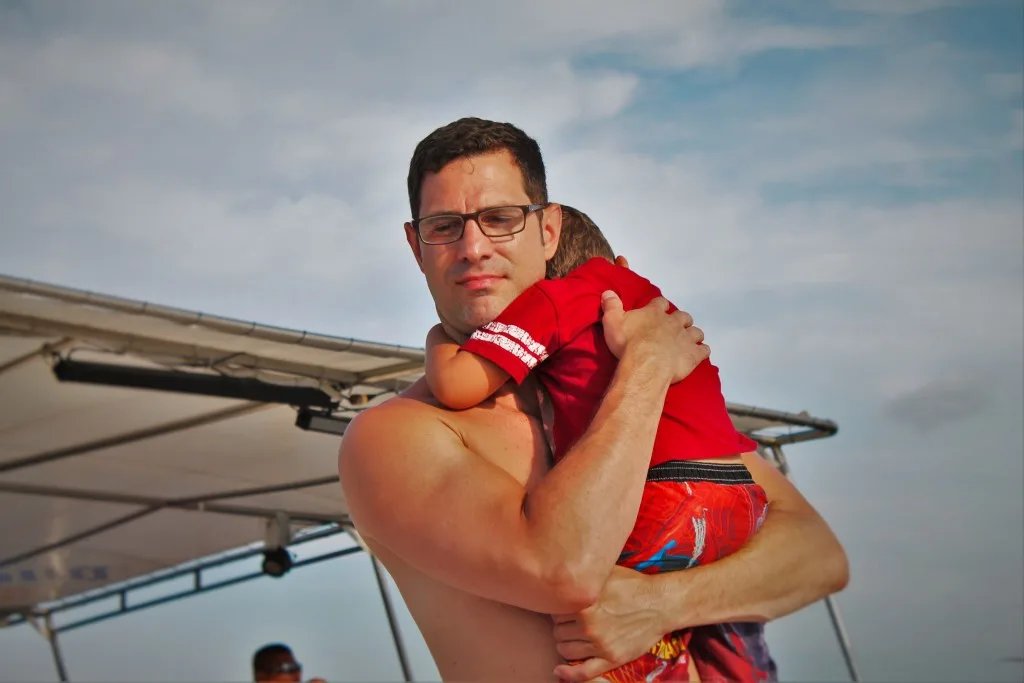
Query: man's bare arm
414	487
793	561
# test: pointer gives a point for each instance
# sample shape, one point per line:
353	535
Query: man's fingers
659	303
568	630
685	317
613	318
584	671
576	649
697	334
611	304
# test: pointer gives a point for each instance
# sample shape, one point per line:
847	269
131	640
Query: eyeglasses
497	221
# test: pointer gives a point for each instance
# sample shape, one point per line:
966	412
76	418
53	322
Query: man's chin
480	312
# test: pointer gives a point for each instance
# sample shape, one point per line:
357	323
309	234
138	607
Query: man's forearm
585	508
792	561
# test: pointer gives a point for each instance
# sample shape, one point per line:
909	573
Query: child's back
564	344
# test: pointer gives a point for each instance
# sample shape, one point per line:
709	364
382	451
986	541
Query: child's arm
459	379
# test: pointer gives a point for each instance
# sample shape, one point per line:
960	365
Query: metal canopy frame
152	505
211	347
123	591
42	619
247	371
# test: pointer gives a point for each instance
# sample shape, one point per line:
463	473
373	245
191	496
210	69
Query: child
699	502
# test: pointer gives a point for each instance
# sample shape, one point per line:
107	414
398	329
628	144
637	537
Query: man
483	538
275	663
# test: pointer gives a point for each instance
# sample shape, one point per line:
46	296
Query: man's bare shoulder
414	413
383	445
415	403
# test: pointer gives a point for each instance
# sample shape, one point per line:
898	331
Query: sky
834	190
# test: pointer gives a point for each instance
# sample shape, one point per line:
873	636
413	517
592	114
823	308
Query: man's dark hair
469	137
580	241
267	657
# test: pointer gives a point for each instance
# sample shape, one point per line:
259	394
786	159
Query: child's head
580	241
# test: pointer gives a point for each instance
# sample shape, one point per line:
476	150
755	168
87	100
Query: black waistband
688	470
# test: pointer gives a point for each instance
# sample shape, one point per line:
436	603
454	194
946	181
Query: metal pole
780	460
58	658
830	602
385	597
844	638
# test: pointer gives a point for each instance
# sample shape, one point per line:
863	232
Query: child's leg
691	514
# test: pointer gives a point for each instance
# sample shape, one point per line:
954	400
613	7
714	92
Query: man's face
474	279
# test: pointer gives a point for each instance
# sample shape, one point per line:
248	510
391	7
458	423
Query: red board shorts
694	513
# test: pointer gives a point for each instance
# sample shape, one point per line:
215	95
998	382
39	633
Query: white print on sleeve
521	335
522	346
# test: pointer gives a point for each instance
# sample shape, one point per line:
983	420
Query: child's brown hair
580	241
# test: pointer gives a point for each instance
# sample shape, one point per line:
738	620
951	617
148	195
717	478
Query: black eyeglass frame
527	209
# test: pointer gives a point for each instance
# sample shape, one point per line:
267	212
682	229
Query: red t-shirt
554	328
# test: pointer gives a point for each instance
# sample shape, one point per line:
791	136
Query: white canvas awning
100	484
135	438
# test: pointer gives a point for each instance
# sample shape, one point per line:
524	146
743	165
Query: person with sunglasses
275	663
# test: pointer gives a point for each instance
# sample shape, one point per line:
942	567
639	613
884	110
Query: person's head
275	663
580	241
475	267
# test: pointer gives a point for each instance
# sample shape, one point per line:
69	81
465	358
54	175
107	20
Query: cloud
332	54
847	129
839	276
719	43
205	166
214	160
1016	136
207	160
941	403
897	7
1008	85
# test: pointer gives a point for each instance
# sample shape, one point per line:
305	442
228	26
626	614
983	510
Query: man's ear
551	229
621	261
414	243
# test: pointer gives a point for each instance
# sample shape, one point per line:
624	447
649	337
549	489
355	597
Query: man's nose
475	245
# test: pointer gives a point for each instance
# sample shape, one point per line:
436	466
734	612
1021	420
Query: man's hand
622	625
651	332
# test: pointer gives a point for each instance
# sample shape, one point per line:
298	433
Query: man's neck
457	336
